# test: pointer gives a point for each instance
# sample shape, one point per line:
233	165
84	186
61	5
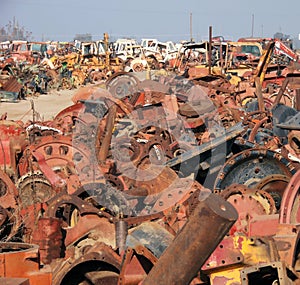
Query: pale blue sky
162	19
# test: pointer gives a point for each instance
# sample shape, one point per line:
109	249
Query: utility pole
252	29
209	49
191	27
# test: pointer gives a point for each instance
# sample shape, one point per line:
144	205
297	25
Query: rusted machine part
261	105
152	142
248	100
231	133
97	198
247	260
77	219
86	230
291	78
58	151
217	217
290	210
249	203
287	244
92	97
294	141
122	84
22	260
12	143
98	265
250	166
275	185
256	128
145	244
64	120
286	99
254	115
49	237
164	177
85	129
49	154
55	207
106	137
34	188
227	254
10	219
37	130
8	191
269	272
234	249
116	181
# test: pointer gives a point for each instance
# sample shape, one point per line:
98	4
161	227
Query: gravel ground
46	105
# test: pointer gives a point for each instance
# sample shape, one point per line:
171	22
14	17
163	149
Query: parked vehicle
160	50
126	48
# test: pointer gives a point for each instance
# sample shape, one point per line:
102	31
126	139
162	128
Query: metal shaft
205	229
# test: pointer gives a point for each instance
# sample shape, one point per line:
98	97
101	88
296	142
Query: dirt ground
46	105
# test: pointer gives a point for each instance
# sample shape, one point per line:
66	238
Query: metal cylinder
121	234
204	230
106	139
49	237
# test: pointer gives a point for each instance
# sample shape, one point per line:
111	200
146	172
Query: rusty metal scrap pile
175	179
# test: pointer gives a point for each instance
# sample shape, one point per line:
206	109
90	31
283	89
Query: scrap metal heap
169	180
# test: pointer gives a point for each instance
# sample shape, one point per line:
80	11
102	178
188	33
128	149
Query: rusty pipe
259	95
106	137
204	230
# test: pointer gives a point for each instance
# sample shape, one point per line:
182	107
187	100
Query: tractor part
122	84
58	158
249	203
250	166
34	188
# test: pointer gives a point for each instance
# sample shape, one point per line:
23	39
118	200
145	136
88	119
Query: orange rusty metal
22	260
49	237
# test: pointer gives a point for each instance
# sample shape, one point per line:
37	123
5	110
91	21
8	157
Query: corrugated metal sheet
12	85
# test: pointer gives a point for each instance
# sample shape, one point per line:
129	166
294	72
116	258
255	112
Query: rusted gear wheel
275	185
57	151
290	205
34	188
155	146
249	167
248	202
122	84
